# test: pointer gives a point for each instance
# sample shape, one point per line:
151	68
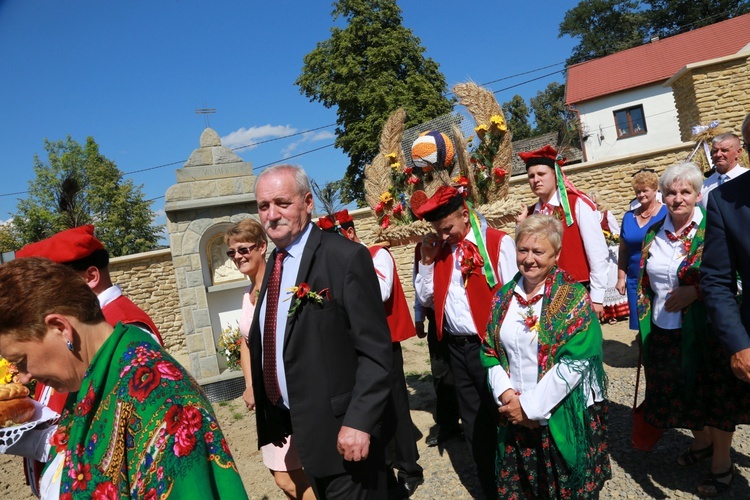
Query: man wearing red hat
584	251
461	268
82	251
397	418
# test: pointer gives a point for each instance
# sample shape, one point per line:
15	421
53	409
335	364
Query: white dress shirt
538	397
383	262
458	319
713	182
664	259
289	273
594	244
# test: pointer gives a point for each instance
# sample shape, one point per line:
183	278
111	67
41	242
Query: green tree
671	17
604	27
367	70
78	185
517	115
549	110
8	239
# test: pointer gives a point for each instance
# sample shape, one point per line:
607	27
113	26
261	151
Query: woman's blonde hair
541	225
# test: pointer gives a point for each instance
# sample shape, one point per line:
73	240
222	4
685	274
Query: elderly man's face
283	211
724	154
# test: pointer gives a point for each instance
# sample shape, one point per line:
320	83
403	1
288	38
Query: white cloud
308	137
245	136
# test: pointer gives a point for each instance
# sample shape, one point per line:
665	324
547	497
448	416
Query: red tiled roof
655	61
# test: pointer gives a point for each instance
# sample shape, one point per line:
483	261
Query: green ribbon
564	202
476	227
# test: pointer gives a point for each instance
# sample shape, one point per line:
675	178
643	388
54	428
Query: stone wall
713	90
148	279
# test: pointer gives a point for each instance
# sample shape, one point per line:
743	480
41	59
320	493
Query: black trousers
478	411
398	430
365	480
446	407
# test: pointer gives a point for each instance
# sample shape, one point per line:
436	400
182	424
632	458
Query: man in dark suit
321	360
726	254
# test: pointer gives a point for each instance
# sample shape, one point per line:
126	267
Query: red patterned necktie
270	379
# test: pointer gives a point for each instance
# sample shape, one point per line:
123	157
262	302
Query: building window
630	121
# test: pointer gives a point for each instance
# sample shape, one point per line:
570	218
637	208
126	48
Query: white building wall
598	122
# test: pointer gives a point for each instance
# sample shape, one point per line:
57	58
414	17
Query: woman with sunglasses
247	249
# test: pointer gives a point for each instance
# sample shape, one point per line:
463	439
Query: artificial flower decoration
392	157
408	170
386	198
379	208
302	294
395	165
385	221
461	180
498	122
481	130
500	174
398	209
8	372
413	180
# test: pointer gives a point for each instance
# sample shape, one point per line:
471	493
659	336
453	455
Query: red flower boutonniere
302	294
530	319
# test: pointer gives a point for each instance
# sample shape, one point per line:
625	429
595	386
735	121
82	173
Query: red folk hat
66	246
442	196
544	156
340	218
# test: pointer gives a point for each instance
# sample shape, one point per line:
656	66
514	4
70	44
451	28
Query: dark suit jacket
337	355
726	253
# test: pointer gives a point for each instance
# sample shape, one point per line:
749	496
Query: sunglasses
241	251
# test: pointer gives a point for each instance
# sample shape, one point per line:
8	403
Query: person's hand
507	396
248	397
620	286
353	444
429	249
522	214
512	410
421	332
740	363
598	309
679	298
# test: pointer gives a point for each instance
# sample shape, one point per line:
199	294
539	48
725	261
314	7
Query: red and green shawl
569	332
694	317
140	427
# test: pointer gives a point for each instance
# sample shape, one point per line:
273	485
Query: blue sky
131	74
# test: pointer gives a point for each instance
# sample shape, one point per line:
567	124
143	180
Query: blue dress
632	235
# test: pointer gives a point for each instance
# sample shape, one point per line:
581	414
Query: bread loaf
16	411
12	391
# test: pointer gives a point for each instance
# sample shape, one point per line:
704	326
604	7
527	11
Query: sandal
716	482
691	457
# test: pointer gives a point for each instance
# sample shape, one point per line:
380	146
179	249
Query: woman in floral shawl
688	380
139	425
543	353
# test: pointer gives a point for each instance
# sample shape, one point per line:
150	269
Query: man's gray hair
682	172
300	177
725	137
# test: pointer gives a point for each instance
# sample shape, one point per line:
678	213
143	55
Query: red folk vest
478	291
123	310
396	307
572	253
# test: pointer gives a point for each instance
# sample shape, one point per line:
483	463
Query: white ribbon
699	129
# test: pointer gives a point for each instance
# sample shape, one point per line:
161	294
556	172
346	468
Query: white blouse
664	259
538	397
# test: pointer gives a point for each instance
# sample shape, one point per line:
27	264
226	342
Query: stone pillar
214	189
